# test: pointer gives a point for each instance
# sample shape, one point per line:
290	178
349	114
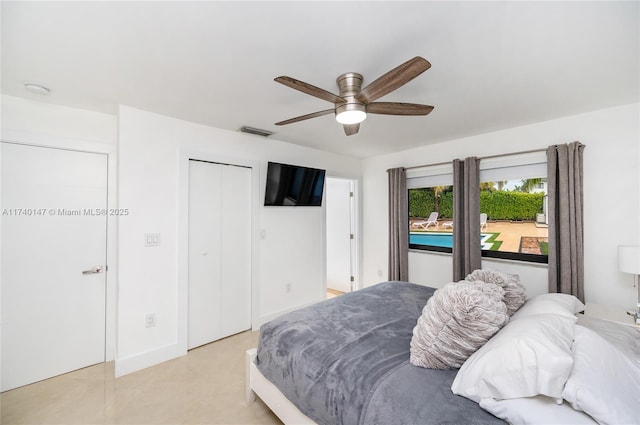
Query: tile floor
332	293
204	387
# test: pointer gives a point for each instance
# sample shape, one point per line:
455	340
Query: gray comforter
346	361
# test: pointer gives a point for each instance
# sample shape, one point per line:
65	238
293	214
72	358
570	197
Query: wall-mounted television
293	185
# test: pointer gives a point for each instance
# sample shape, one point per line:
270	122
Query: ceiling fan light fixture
351	113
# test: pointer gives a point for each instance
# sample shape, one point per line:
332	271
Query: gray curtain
466	217
566	234
398	225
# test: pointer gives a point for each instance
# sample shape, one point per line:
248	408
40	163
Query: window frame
508	161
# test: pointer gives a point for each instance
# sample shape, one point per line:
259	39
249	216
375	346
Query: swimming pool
443	239
432	239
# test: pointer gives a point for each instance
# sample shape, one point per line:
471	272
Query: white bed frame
257	384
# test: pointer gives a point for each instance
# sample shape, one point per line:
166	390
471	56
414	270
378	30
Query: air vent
256	131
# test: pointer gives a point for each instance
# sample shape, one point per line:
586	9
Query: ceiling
495	65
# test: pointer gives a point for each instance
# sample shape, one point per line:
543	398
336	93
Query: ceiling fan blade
309	89
351	129
305	117
398	108
393	79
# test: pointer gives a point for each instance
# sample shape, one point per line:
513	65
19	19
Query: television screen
292	185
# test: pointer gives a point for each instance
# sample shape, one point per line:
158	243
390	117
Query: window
513	208
516	222
431	218
431	208
513	194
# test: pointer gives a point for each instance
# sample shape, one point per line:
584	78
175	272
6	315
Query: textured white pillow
604	382
514	291
457	320
535	411
529	356
552	303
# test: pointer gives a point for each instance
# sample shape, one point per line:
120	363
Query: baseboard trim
136	362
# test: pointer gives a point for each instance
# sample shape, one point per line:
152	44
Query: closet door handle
94	270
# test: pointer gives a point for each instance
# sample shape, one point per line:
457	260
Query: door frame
185	155
356	247
54	142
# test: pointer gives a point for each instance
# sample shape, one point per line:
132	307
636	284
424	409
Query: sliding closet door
205	200
236	253
219	251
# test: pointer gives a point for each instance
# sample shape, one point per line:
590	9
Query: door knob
94	270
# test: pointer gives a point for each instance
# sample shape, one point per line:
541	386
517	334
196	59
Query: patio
511	233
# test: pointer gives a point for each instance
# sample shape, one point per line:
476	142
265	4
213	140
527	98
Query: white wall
50	125
150	279
611	179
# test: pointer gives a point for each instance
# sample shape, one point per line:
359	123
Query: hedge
504	205
421	202
446	205
497	204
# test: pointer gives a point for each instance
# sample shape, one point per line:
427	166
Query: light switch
151	239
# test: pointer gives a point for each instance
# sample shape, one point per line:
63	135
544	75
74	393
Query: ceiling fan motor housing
350	85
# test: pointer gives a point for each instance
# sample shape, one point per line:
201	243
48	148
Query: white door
53	229
338	198
219	251
235	239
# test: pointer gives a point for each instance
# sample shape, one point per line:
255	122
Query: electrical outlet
379	272
150	320
288	287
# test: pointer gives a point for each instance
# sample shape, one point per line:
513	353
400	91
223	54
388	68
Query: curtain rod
482	157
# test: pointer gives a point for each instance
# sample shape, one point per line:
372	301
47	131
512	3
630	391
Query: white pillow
457	320
604	382
535	411
529	356
624	338
552	303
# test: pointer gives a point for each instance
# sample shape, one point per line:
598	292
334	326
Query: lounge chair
424	224
483	221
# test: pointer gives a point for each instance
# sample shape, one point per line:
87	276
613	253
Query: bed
346	361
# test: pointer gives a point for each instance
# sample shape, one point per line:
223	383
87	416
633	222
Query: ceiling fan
353	104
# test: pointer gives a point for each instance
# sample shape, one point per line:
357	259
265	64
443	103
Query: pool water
443	239
432	239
